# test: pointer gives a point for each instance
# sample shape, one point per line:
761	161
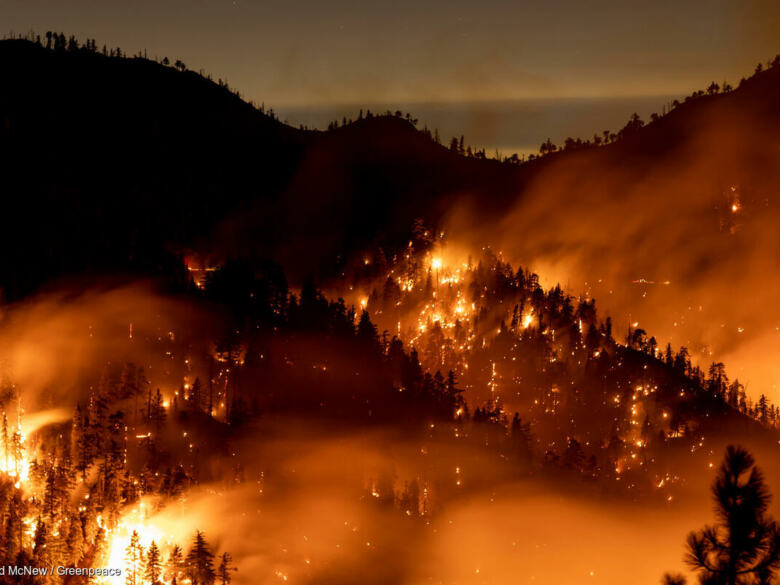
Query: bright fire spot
119	539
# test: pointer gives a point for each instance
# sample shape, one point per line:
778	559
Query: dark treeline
305	341
59	42
459	146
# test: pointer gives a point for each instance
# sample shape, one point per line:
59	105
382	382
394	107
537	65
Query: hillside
111	163
116	163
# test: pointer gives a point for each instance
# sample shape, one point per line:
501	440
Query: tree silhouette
547	147
153	564
175	563
744	546
199	562
225	568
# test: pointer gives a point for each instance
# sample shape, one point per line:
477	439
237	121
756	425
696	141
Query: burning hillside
183	404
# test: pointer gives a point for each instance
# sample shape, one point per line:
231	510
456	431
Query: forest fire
143	549
472	318
132	535
481	321
238	352
14	462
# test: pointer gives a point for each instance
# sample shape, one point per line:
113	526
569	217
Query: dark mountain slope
366	183
107	159
115	164
110	163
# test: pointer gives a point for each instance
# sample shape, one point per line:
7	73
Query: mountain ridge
177	162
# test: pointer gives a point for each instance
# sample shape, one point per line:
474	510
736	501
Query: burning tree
135	560
744	546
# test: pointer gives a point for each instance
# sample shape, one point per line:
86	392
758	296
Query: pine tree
153	564
74	542
574	456
40	542
195	397
744	547
175	563
78	451
367	334
50	496
17	450
13	526
453	392
96	430
6	441
199	563
100	547
157	412
763	409
520	433
134	560
225	568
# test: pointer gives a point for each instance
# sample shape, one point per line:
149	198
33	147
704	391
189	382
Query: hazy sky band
513	126
323	53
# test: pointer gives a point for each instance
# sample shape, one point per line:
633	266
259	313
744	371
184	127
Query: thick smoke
303	511
300	516
55	347
676	232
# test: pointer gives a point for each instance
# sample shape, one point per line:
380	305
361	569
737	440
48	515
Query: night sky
320	53
507	75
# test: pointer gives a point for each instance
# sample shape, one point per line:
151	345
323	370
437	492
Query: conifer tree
74	542
153	569
199	563
195	397
157	412
134	561
744	546
175	563
13	526
40	542
225	568
6	440
78	451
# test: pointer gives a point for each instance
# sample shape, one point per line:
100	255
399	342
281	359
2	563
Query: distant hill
112	163
108	160
117	164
